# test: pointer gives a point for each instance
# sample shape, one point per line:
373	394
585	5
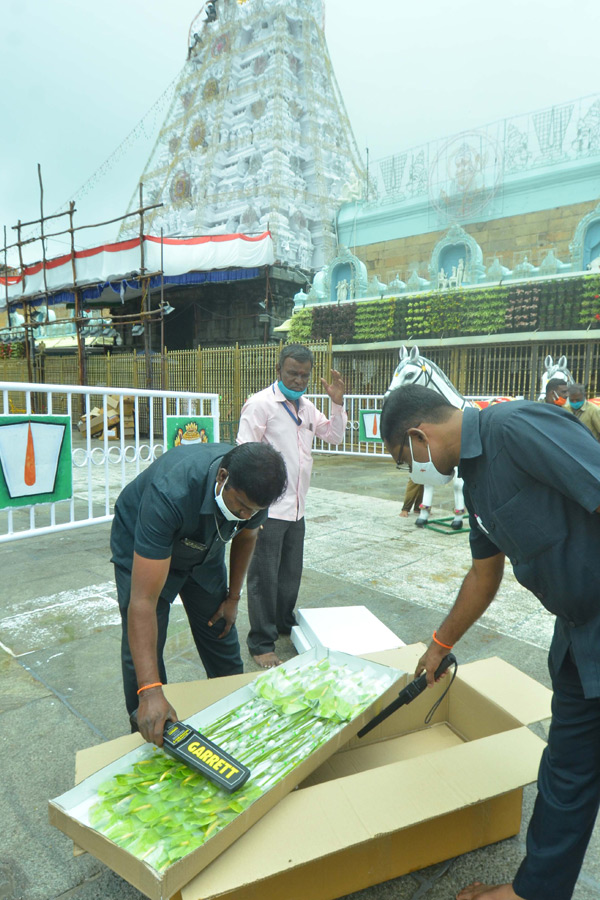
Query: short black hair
577	389
406	407
296	351
554	383
258	470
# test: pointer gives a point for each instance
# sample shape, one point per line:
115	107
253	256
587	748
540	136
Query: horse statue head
408	369
554	370
416	369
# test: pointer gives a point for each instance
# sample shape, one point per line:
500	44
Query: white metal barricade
352	445
360	439
99	467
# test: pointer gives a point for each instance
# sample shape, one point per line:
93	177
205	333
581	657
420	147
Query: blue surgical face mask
223	506
288	392
576	404
425	472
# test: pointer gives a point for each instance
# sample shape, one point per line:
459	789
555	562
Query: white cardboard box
349	629
299	640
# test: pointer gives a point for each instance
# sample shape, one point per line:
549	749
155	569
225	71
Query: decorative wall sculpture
344	278
472	270
580	259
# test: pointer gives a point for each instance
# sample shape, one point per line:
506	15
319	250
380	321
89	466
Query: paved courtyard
61	690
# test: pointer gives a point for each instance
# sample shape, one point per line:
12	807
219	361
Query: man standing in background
587	413
281	416
556	392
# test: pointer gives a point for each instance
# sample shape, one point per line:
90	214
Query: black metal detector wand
409	693
187	745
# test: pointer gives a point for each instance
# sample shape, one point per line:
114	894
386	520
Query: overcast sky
76	78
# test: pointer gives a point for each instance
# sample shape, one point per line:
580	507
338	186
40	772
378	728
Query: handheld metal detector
409	693
202	755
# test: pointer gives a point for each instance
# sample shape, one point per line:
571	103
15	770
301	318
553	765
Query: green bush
301	327
374	321
416	317
337	321
484	311
589	311
561	304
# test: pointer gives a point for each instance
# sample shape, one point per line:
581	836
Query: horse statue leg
459	503
425	507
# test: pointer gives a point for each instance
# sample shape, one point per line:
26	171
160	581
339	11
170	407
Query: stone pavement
59	658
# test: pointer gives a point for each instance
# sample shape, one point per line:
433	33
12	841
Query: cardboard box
127	426
350	629
402	798
94	421
69	812
113	401
97	427
299	639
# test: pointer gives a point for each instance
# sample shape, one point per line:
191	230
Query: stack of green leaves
161	810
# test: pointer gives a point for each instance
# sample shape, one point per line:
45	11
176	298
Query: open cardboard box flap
521	696
516	693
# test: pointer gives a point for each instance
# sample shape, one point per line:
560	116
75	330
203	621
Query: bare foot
487	892
404	514
267	660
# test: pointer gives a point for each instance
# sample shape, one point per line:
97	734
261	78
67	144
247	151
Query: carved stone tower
256	136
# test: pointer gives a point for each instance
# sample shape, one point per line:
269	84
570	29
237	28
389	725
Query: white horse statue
416	369
554	370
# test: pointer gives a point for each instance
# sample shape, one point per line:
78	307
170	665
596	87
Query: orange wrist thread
146	687
437	641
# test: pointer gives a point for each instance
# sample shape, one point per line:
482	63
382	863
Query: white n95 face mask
223	506
425	472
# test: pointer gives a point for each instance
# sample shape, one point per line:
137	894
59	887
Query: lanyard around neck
292	415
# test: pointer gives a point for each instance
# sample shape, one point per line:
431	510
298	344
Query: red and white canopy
112	262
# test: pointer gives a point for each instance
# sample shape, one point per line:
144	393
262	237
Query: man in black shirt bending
532	489
168	537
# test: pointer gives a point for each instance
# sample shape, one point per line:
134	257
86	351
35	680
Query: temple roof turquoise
515	166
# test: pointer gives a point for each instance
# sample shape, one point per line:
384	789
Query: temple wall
509	238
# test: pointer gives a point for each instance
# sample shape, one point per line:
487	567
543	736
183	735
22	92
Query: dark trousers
273	582
568	793
219	656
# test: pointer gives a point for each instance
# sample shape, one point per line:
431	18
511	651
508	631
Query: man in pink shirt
281	416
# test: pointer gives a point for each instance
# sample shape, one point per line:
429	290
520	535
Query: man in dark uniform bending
168	537
532	489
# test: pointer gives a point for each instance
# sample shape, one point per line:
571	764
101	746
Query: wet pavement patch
11	882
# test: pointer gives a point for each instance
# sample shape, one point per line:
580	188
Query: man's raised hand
336	389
